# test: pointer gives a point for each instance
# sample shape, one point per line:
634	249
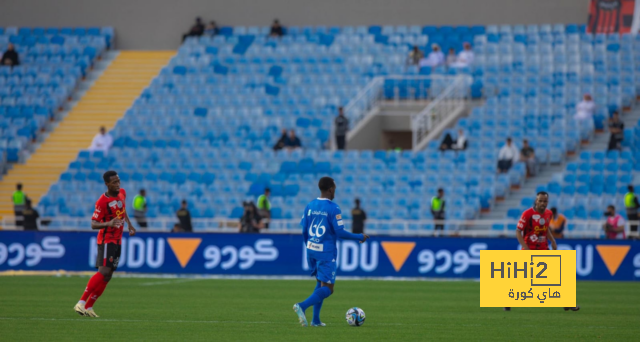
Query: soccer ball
355	317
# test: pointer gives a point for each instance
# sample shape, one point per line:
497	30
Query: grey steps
599	142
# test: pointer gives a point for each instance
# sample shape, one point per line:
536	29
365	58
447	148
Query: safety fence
462	228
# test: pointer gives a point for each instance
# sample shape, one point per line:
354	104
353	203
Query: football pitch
34	308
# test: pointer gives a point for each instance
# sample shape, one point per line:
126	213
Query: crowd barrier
284	255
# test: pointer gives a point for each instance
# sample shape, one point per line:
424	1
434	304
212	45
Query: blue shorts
323	270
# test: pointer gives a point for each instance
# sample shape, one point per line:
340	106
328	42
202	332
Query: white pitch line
170	282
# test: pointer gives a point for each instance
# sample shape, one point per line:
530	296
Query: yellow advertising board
527	278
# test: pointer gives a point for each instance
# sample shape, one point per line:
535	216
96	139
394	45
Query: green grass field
40	308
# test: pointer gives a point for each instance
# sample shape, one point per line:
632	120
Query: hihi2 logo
527	278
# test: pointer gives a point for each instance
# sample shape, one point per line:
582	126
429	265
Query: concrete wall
158	24
375	131
368	134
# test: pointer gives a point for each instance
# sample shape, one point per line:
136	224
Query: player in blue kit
322	225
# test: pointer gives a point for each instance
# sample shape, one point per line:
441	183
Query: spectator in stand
437	209
451	57
631	205
211	29
461	141
447	143
616	128
614	227
276	30
528	156
358	217
508	156
282	142
102	141
465	57
251	222
184	216
585	110
393	147
342	127
434	59
196	30
10	57
415	55
557	223
30	216
293	142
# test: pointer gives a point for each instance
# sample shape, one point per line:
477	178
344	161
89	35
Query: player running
534	224
109	217
322	225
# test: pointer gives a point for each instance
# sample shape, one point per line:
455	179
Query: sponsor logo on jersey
113	203
119	213
536	217
340	223
323	213
119	204
315	246
339	217
542	221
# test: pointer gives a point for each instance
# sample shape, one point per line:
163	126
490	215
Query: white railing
462	228
451	99
405	88
360	105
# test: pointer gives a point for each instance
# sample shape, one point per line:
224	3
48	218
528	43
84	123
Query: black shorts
108	255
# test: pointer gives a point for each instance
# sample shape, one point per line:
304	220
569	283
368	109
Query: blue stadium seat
225	98
514	213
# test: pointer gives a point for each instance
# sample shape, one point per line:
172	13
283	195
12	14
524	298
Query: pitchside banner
284	255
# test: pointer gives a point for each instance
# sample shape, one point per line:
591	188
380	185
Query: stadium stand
52	61
203	130
127	74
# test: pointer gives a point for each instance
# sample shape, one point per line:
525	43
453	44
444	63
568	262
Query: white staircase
599	142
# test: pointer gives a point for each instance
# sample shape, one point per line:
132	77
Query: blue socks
317	307
315	300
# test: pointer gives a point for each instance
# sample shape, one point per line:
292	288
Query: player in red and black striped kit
533	229
109	216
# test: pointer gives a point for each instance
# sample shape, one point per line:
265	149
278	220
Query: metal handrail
448	101
374	87
373	94
468	228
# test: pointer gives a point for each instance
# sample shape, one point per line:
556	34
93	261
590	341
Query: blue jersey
322	225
